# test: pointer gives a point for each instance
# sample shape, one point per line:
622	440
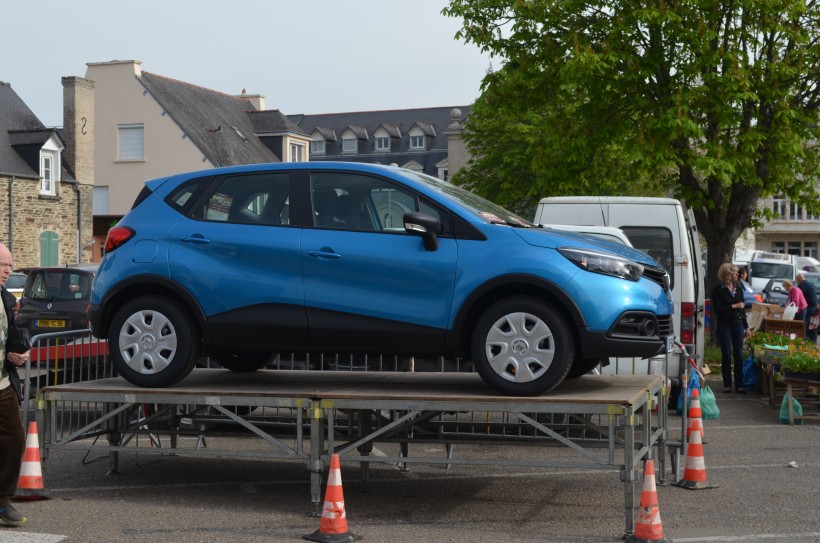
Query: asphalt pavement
766	474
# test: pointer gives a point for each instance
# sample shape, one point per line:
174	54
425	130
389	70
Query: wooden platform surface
623	390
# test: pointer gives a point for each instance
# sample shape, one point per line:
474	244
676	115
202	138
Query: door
369	285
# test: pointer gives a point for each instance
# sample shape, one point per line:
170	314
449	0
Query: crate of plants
801	365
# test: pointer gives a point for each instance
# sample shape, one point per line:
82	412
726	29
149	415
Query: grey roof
273	121
15	119
432	121
217	123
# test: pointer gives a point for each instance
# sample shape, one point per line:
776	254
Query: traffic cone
649	527
694	474
30	483
695	414
333	524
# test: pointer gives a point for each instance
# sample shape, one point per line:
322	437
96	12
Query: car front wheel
153	342
522	346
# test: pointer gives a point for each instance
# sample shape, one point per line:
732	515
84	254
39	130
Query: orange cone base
633	539
323	537
694	485
26	495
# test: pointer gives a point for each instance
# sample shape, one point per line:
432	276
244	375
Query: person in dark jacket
810	294
731	325
12	435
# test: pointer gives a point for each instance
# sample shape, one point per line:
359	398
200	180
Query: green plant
800	362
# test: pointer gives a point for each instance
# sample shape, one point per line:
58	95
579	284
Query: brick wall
34	215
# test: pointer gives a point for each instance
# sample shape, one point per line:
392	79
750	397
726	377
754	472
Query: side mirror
423	225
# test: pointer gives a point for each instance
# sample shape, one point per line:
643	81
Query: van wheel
153	342
522	346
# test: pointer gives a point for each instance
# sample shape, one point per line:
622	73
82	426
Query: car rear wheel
522	346
153	342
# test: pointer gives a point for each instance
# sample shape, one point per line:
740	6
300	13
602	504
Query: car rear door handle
324	252
196	238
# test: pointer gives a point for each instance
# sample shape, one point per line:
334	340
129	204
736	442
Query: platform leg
365	426
315	464
114	437
628	474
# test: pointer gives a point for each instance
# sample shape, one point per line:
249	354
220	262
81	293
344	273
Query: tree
713	101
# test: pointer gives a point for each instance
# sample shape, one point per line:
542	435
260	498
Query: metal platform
606	421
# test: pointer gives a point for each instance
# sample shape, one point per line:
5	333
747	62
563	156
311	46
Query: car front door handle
324	252
196	238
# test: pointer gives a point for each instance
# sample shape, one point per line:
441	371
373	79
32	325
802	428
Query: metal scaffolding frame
607	422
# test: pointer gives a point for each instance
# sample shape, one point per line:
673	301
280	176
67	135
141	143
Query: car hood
552	239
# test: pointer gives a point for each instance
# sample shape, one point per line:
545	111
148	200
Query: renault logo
48	306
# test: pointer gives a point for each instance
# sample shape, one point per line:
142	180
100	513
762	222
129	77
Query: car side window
261	199
345	201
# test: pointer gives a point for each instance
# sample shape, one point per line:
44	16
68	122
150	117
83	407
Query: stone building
47	178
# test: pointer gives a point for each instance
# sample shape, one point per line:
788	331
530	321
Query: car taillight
687	323
116	237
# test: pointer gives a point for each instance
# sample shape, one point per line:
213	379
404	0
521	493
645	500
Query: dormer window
417	142
350	145
317	147
383	144
48	173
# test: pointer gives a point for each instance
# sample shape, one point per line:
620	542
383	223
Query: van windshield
770	270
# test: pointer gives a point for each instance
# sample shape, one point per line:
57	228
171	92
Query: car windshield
770	270
485	209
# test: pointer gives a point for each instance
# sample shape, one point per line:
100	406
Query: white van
662	228
764	266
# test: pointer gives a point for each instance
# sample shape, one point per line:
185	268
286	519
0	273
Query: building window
297	152
48	172
131	142
796	212
810	249
443	174
317	147
100	203
779	247
350	145
794	248
417	142
779	208
382	144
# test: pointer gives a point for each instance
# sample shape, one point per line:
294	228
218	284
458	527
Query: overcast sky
309	56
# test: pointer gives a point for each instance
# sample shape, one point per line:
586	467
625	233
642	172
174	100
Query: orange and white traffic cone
695	414
694	474
649	526
333	524
30	484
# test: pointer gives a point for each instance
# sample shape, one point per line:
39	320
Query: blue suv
242	262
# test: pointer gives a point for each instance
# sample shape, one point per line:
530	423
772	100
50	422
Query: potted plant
801	365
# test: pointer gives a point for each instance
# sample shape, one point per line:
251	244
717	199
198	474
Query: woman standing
731	326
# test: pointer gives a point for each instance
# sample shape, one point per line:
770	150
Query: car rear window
58	285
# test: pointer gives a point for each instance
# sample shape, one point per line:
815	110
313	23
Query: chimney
256	100
78	127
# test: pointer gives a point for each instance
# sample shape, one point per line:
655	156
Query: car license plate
49	323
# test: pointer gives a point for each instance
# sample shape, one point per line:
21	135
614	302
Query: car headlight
605	263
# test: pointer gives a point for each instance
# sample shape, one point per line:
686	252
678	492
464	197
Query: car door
369	285
237	254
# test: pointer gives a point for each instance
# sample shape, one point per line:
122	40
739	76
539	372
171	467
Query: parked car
15	283
56	299
339	257
774	293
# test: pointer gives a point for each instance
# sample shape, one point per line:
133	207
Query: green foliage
802	363
712	101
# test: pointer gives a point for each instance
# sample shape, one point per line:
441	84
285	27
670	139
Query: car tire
153	342
522	346
241	362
